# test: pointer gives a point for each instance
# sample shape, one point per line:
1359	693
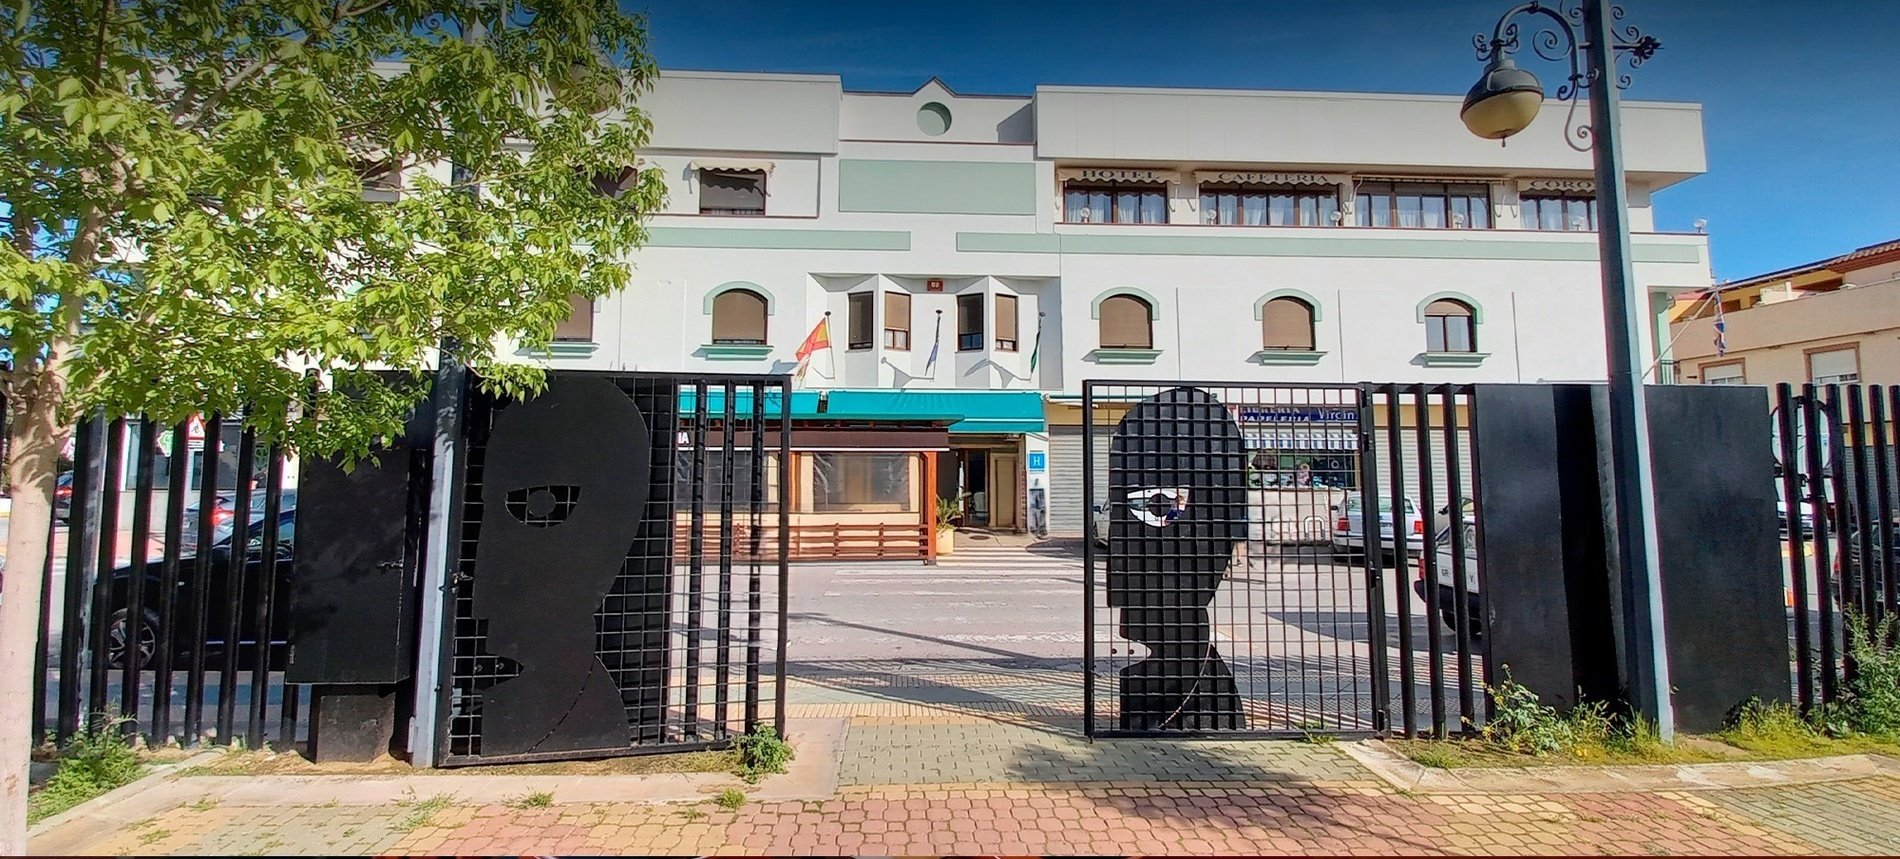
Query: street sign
1038	460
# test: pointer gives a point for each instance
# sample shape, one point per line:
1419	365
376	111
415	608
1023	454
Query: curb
1407	775
103	805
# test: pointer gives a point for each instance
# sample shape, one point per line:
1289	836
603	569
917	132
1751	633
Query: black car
218	602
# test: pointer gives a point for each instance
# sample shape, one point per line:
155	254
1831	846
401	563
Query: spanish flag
819	338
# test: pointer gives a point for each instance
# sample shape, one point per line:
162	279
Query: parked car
1349	531
63	497
218	615
1447	580
226	510
1807	517
1099	530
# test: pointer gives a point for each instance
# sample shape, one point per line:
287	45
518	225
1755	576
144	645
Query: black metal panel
352	604
1721	568
1177	474
1523	537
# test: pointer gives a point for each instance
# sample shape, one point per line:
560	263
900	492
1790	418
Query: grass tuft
730	799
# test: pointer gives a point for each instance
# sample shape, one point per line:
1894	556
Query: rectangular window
1448	334
1424	205
1006	323
850	482
578	327
1726	373
1260	205
897	320
970	322
724	192
1834	365
858	320
1574	212
1114	204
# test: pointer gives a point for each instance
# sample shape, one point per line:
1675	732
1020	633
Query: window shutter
1125	323
1838	362
1287	323
1006	317
742	191
897	311
738	317
579	324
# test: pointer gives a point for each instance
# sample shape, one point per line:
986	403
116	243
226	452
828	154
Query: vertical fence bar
1369	557
784	545
232	602
1797	543
696	563
103	614
200	587
1428	562
722	667
1460	575
1395	456
756	519
1813	414
135	626
1476	500
175	492
1088	559
265	596
1845	517
1884	463
1865	591
42	646
81	530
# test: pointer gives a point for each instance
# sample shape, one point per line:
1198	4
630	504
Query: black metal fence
163	591
1838	485
652	621
1236	584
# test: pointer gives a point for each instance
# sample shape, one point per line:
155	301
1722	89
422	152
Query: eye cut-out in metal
1177	471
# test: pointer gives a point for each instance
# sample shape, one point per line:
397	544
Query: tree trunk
35	437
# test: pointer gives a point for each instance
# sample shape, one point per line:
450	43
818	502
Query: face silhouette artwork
564	482
1177	477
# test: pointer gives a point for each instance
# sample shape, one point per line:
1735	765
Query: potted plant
949	513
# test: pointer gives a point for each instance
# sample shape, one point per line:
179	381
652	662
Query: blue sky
1801	104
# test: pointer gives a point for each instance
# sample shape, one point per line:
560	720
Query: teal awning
804	403
967	411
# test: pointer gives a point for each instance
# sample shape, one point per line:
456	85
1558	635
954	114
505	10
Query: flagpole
829	351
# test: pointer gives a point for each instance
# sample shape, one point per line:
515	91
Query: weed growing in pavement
537	799
692	814
154	836
1313	732
730	799
1523	724
761	752
1434	757
422	813
96	760
204	804
1872	704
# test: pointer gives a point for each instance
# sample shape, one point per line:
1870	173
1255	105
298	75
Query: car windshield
1385	504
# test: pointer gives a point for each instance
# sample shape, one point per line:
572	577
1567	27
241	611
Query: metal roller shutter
1067	508
1408	450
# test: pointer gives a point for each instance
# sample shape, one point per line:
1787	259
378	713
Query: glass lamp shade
1503	102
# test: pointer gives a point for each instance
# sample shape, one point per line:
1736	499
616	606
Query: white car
1349	532
1447	582
1099	527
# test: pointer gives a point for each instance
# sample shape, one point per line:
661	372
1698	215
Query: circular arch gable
1260	307
1477	310
739	285
1154	307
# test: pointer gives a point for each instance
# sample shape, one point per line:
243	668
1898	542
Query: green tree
189	229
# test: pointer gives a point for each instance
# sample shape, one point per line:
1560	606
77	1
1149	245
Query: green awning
969	411
804	403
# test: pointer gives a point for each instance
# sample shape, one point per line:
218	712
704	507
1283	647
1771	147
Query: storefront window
862	482
719	474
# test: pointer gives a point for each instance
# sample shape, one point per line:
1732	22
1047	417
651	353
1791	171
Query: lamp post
1502	103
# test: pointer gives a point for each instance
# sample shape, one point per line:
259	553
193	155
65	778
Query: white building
1132	233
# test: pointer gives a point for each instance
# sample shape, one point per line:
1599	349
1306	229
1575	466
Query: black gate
164	588
1235	585
620	581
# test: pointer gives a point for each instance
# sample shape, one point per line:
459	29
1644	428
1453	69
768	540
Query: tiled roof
1875	250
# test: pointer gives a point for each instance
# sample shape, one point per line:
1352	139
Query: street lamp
1504	102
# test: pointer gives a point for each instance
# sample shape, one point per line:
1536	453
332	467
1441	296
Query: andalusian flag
819	338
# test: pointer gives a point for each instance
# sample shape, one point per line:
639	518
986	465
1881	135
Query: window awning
736	165
804	403
971	411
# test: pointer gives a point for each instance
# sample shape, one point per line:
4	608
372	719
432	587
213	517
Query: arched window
1126	323
1287	323
738	317
1449	327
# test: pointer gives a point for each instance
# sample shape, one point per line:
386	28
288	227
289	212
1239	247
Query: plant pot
946	540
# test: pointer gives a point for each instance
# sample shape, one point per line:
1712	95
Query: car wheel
1450	617
117	633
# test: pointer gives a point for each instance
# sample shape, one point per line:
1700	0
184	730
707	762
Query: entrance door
1003	504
